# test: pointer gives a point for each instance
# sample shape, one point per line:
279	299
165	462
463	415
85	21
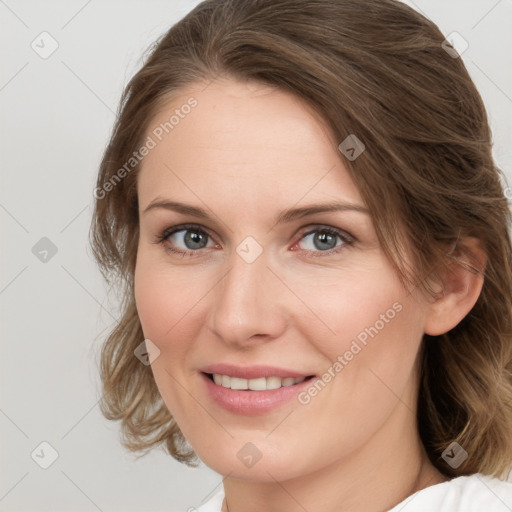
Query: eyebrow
283	217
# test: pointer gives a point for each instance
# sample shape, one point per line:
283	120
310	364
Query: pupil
324	241
195	240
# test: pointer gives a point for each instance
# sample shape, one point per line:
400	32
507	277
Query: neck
373	478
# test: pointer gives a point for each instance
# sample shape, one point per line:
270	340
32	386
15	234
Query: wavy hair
380	70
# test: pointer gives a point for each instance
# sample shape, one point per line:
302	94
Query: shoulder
214	504
463	494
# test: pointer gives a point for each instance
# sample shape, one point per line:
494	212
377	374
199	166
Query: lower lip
252	402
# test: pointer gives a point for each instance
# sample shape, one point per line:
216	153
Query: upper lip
252	372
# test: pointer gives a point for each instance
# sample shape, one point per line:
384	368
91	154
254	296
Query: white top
475	493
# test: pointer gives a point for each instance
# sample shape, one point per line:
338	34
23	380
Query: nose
248	304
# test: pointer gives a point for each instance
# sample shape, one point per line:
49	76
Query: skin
246	153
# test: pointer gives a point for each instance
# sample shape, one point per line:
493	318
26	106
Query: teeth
236	383
274	382
259	384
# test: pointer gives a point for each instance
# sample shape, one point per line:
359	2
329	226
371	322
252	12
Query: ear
459	287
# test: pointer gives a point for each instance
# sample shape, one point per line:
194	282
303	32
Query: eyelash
346	238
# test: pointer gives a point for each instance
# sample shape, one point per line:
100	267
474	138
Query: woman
300	202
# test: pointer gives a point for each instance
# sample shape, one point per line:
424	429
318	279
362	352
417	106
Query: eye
190	239
324	239
186	239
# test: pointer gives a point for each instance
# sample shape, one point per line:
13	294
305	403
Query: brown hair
376	69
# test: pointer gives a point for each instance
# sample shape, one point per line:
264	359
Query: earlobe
460	288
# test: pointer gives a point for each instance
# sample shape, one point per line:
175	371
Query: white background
57	114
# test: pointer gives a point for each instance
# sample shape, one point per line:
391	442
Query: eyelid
312	228
166	233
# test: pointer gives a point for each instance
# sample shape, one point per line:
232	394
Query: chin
244	461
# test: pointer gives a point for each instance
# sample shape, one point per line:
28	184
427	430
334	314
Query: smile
259	395
257	384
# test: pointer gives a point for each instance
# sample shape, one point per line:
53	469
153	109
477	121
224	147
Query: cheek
164	310
357	304
375	331
167	309
165	299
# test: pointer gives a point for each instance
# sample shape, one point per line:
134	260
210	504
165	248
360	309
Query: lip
252	372
251	403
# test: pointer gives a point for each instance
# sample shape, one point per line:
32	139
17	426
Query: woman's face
257	260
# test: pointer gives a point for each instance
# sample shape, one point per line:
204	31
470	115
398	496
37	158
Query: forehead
233	135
